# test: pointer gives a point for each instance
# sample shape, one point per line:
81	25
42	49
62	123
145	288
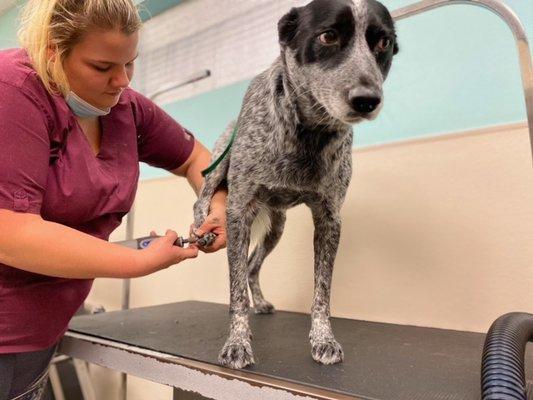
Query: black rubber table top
382	361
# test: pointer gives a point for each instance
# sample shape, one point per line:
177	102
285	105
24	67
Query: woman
71	136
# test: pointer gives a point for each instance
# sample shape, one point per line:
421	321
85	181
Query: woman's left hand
216	223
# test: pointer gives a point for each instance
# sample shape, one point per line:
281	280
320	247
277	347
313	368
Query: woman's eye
100	69
329	38
383	44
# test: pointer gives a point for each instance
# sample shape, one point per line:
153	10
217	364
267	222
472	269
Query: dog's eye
383	44
329	38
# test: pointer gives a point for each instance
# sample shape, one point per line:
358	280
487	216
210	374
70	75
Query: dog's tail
215	178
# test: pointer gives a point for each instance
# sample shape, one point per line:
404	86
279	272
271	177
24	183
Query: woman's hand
215	222
162	253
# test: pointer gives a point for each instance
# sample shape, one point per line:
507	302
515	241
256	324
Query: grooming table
177	345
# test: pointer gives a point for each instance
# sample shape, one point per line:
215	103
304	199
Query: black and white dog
293	145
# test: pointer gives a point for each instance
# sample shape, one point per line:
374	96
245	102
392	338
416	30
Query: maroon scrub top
48	167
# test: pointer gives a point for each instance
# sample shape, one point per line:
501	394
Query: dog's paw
328	352
236	354
264	307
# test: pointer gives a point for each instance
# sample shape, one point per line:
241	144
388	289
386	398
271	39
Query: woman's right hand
162	253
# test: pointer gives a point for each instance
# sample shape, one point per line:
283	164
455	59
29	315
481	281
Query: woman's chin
108	102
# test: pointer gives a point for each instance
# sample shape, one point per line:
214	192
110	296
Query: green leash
214	165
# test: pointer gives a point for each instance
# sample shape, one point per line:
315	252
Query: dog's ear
287	27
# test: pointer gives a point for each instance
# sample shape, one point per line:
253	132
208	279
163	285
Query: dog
293	145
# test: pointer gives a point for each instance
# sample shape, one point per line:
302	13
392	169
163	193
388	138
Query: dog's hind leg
324	348
261	251
237	351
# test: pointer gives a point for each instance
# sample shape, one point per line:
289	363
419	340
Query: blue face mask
83	109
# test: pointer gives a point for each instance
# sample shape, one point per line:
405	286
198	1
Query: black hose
502	366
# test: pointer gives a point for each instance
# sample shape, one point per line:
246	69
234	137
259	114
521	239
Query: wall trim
444	136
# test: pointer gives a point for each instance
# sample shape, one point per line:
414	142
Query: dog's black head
342	50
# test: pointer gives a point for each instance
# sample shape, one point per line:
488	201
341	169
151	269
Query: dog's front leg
237	351
201	206
324	348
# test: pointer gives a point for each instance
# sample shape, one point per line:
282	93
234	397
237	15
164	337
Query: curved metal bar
512	20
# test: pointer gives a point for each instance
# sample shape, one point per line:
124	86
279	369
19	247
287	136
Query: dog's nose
365	104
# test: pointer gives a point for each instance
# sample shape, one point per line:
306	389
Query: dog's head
341	52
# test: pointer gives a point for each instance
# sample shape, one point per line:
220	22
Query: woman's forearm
192	170
200	160
30	243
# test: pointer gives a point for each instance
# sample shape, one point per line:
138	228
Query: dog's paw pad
236	354
329	352
264	308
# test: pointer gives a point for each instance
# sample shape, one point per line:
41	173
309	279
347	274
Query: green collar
215	163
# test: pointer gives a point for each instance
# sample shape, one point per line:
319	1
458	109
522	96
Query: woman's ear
51	51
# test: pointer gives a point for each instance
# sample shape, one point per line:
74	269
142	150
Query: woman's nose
121	79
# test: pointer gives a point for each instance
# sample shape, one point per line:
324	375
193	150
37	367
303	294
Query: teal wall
457	69
151	8
8	28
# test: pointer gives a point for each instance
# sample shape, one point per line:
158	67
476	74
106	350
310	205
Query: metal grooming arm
511	19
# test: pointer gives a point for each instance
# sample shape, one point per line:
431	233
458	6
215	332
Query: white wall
234	39
435	233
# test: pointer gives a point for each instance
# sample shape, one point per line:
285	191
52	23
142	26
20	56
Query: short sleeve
24	150
162	142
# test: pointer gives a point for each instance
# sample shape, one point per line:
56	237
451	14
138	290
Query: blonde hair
58	25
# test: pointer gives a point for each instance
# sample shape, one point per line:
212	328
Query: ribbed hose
502	366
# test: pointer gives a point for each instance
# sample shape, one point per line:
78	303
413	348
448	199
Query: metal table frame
195	380
200	377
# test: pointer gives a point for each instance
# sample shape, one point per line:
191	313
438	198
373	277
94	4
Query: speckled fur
293	146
